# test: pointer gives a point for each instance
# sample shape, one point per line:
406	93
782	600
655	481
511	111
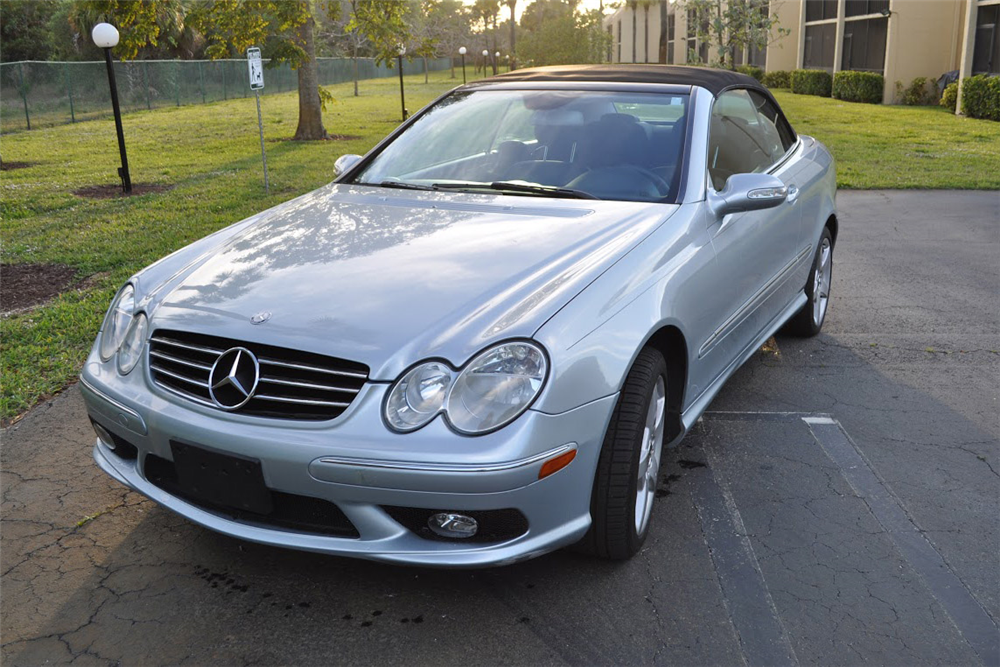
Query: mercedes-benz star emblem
233	378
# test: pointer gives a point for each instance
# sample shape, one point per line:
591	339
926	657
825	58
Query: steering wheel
625	179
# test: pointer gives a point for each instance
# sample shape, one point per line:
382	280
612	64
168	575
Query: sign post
256	66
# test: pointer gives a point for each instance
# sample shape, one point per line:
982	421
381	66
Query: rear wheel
628	469
809	320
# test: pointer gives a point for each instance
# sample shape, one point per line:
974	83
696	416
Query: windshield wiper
518	186
402	185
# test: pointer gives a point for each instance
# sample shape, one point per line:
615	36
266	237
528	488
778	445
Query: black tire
803	323
613	533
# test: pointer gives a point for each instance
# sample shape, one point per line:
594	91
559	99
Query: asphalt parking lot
837	505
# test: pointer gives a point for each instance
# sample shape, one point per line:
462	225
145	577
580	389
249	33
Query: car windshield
587	144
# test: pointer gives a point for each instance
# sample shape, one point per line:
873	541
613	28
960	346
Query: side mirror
748	192
344	164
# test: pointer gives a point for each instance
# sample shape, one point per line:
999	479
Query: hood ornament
261	317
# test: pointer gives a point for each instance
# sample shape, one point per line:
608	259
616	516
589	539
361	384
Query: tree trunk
355	60
513	51
310	107
425	69
495	40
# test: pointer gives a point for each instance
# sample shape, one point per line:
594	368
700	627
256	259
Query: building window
863	7
820	10
758	55
671	29
819	46
692	33
864	45
986	49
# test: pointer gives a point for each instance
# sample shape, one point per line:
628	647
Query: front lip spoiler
466	478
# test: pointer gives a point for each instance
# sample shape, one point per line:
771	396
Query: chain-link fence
40	94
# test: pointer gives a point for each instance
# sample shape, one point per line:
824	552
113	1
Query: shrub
916	94
811	82
949	98
981	97
858	87
750	70
778	79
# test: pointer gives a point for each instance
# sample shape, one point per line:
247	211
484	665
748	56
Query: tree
24	30
141	24
285	31
554	32
513	21
734	25
450	24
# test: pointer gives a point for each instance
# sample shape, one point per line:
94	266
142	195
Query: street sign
256	66
256	85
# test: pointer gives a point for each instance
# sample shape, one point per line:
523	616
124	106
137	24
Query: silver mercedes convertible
472	347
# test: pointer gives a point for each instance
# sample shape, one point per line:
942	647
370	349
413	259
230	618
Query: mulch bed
115	191
26	285
7	165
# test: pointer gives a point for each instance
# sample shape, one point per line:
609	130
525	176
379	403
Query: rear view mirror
748	192
344	164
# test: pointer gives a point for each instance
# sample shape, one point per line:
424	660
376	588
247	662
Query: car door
757	251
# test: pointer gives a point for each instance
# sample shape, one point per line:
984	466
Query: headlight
418	396
131	349
496	387
491	391
116	322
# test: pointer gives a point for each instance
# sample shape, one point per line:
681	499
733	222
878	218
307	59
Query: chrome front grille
293	384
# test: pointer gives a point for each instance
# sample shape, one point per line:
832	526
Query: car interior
587	145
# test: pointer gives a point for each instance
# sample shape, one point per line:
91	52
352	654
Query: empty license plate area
227	480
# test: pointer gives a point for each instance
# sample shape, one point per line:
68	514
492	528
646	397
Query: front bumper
360	466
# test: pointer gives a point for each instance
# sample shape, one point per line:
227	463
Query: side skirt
695	410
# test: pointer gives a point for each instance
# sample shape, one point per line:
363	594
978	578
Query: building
900	39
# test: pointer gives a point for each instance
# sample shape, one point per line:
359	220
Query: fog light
450	524
104	436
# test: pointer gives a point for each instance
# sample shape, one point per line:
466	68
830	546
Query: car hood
390	277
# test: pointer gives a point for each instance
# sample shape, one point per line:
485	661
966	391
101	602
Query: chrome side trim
100	394
751	304
414	466
698	406
117	405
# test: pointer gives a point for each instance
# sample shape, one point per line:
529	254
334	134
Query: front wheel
628	468
809	320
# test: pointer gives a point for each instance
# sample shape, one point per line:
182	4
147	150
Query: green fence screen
41	94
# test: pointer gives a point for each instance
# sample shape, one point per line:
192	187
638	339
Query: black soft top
714	80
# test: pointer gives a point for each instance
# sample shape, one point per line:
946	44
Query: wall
923	41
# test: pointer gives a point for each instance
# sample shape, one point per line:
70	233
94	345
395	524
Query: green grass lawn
210	155
899	147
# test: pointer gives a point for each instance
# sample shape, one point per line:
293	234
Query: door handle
793	194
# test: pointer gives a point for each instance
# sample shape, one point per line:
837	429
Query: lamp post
486	61
462	51
105	36
496	62
402	99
